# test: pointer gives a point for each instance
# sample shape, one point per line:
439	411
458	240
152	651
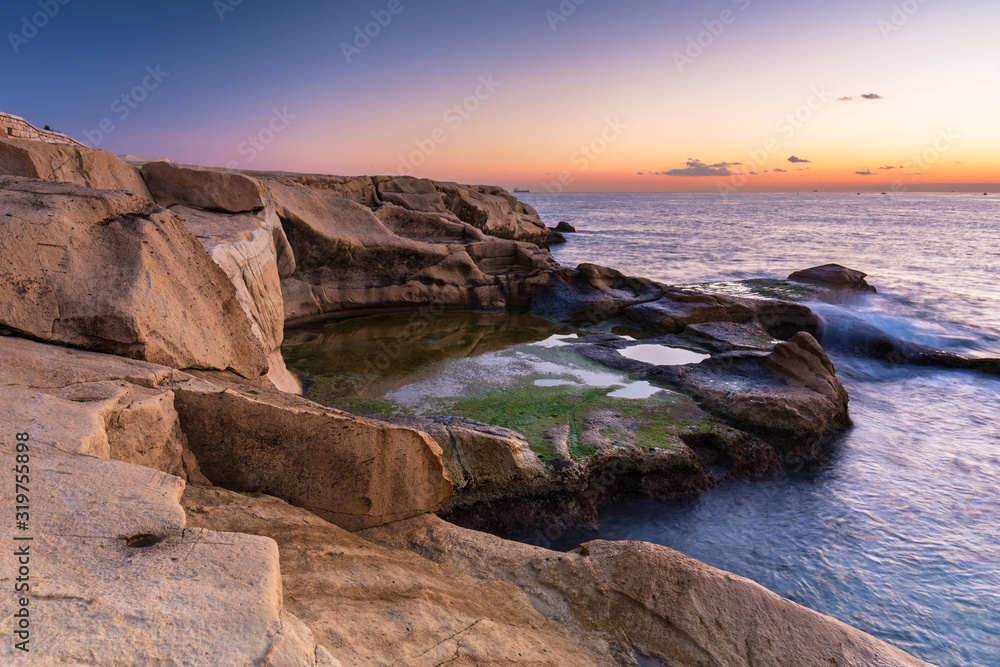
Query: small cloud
783	171
753	173
698	168
866	172
794	159
887	167
866	96
640	173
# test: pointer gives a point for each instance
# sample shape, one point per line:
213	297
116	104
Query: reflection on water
371	356
663	355
424	363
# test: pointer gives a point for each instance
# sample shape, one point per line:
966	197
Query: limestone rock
359	189
210	189
95	405
565	227
415	194
677	309
492	210
834	275
374	606
790	397
651	599
349	262
112	272
251	248
355	472
90	168
592	293
118	578
495	211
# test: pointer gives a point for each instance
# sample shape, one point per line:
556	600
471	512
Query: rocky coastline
191	507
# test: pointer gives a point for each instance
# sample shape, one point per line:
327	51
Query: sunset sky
575	95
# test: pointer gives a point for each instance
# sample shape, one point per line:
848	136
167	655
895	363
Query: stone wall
15	127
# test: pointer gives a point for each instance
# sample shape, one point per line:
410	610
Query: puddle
427	364
556	341
637	390
663	355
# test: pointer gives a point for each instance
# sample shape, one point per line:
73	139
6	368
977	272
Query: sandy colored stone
355	472
651	599
84	166
374	606
211	189
251	248
112	272
191	597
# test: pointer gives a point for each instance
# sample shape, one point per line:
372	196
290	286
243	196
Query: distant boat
519	190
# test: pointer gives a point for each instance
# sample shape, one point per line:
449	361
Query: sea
897	530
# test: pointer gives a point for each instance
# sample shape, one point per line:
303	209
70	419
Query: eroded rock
66	163
112	272
790	397
651	599
376	606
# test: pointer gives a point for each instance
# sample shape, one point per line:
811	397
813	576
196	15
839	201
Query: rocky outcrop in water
140	327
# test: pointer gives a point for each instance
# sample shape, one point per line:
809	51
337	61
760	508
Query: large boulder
591	294
349	262
84	166
492	210
94	405
379	606
354	472
110	271
251	248
680	308
660	604
835	276
790	397
210	189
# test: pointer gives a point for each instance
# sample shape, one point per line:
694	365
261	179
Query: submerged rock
834	275
565	227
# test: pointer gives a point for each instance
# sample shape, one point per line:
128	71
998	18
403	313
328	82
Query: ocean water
897	532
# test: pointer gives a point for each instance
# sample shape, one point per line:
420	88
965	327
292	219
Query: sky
546	95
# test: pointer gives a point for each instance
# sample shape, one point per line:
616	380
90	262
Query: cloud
794	159
782	170
866	172
753	173
887	167
640	173
698	168
866	96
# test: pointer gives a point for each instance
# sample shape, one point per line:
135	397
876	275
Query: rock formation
141	316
